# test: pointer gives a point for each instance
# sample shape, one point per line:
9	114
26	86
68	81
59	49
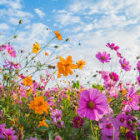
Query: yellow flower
27	81
36	48
39	105
109	100
58	35
80	64
124	91
123	130
42	123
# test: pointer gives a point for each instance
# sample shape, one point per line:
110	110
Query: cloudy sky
89	24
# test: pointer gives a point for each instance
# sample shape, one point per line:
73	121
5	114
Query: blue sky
93	23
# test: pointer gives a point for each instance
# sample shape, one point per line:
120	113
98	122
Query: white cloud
4	26
39	12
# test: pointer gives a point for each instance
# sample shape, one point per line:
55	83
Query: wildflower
11	51
92	104
119	55
80	64
112	46
46	54
114	76
27	81
109	126
10	134
138	80
11	65
103	57
58	35
39	105
58	138
138	66
105	75
65	66
3	47
121	118
125	64
56	115
36	48
130	136
78	122
2	130
43	123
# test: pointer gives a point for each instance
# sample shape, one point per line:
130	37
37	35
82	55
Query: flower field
31	110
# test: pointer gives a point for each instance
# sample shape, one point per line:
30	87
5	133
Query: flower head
39	105
103	57
36	48
114	76
58	35
92	104
10	134
138	66
56	115
138	80
78	122
112	46
125	64
11	51
65	66
2	130
43	123
27	81
80	64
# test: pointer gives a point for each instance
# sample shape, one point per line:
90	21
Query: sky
89	24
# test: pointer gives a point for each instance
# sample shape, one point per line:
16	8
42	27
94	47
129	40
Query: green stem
136	133
95	136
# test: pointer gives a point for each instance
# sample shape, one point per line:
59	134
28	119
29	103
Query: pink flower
11	51
2	130
125	64
92	104
58	138
114	76
78	122
138	80
103	57
130	136
121	118
10	134
138	66
112	46
119	55
3	47
11	65
56	115
105	75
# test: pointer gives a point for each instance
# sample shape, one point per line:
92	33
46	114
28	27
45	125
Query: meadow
30	110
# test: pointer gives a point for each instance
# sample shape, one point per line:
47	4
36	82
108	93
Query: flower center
130	99
102	57
91	105
40	103
122	120
123	65
109	126
9	137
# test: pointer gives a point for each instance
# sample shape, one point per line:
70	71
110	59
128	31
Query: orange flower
42	123
58	35
124	91
39	105
80	64
36	48
46	54
65	66
27	81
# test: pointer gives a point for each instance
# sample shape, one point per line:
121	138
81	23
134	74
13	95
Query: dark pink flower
138	66
92	104
11	65
10	134
119	55
105	75
78	122
138	80
130	136
3	47
103	57
114	76
112	46
2	130
121	118
125	64
11	51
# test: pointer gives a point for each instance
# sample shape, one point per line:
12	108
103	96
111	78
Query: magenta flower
112	46
105	75
121	118
2	130
114	76
138	66
58	137
103	57
92	104
3	47
119	55
10	134
125	64
108	127
11	51
138	80
78	122
11	65
56	115
130	136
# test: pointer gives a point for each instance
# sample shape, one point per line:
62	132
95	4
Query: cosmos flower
3	47
65	66
27	81
78	122
121	118
58	35
138	66
80	64
114	76
43	123
11	65
112	46
36	48
58	137
11	51
56	115
138	80
103	57
10	134
125	64
2	130
119	55
105	75
130	136
92	104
